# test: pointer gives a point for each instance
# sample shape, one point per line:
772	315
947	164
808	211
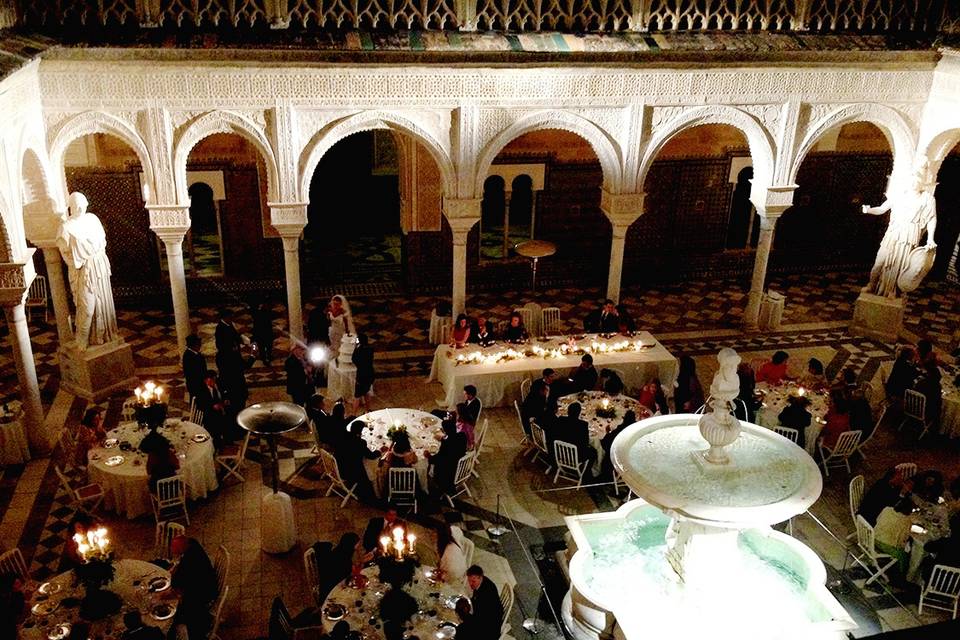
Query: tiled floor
34	510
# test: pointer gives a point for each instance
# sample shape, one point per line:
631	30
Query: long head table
498	382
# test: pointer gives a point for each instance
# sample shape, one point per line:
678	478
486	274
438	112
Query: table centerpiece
151	410
95	571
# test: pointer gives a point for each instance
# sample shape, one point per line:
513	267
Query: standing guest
482	336
775	370
297	386
688	396
378	527
350	454
814	378
486	602
263	331
746	408
89	434
460	333
515	331
453	561
444	461
194	581
194	365
585	376
471	405
902	375
837	419
214	404
572	430
796	416
230	363
363	360
892	532
653	397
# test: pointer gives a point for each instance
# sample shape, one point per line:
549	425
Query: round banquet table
774	400
933	520
13	439
950	413
422	427
129	582
125	485
590	402
434	598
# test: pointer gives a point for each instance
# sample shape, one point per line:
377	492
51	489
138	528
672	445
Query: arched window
491	218
204	242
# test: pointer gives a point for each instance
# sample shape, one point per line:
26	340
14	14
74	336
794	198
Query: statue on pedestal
83	243
901	265
719	426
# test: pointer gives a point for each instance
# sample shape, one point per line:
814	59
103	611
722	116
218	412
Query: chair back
464	468
906	470
846	444
865	538
166	532
944	581
788	433
65	481
524	389
567	456
539	437
480	437
170	490
402	485
221	564
196	414
37	295
311	571
855	496
280	625
217	613
550	321
469	546
531	314
915	405
128	412
330	466
12	563
506	600
243	447
444	333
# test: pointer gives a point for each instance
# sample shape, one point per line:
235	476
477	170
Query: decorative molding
288	218
15	279
622	208
771	201
169	222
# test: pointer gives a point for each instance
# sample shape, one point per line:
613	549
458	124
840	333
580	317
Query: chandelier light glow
402	545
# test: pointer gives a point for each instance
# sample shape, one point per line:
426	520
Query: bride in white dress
341	321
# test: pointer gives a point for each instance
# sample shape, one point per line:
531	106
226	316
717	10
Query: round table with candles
773	400
422	428
591	402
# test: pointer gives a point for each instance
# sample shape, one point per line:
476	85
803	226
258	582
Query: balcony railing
860	16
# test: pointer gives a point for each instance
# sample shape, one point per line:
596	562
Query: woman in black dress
363	360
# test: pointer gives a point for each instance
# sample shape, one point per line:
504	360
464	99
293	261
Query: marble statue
913	213
719	427
83	243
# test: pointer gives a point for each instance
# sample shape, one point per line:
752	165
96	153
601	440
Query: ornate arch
6	250
898	133
333	133
758	139
222	122
939	146
99	122
34	181
607	152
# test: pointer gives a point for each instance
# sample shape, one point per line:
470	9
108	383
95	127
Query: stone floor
697	319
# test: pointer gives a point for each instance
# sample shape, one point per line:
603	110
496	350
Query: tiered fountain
694	555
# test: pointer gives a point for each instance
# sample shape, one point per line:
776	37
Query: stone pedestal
279	533
877	317
98	372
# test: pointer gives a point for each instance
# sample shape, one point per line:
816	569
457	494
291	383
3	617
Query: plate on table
49	588
110	443
446	630
158	583
200	437
163	611
59	632
334	612
44	608
113	461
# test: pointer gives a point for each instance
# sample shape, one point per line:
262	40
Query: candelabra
95	571
151	409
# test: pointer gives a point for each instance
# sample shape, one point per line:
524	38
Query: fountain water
694	554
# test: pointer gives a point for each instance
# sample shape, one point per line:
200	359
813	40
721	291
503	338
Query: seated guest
945	551
350	453
136	629
466	428
902	375
486	602
814	378
460	332
609	320
926	354
450	550
469	627
775	370
585	376
610	382
13	604
90	434
536	407
515	331
316	413
747	402
892	531
837	419
861	414
629	417
471	405
572	430
885	492
653	397
444	461
930	385
547	378
625	321
482	336
796	416
344	559
396	606
194	581
927	488
688	396
162	462
336	425
378	527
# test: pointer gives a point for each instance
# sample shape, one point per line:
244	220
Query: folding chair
469	547
854	498
906	470
217	612
839	456
525	443
165	533
37	296
313	575
464	469
12	563
128	413
525	388
221	564
530	313
231	458
617	479
876	427
915	408
402	487
550	321
92	492
331	472
506	603
568	462
478	448
788	433
282	627
196	413
941	589
870	557
170	498
540	445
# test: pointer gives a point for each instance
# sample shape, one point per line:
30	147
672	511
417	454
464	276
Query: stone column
58	292
533	213
461	214
289	219
622	209
506	224
15	279
770	203
171	223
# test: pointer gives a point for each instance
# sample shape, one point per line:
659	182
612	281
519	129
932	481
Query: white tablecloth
13	440
590	401
134	597
437	323
775	400
935	522
498	384
125	485
422	625
950	413
341	380
422	427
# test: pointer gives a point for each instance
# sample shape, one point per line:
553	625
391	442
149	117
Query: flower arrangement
560	351
397	429
605	409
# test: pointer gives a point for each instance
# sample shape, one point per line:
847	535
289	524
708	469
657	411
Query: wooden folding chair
568	462
331	472
170	499
402	487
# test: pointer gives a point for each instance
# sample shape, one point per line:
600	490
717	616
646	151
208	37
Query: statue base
878	317
98	372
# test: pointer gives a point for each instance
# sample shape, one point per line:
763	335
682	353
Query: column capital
772	200
15	279
462	209
622	208
288	218
170	222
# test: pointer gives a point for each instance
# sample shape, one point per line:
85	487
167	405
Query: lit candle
801	391
385	541
159	394
138	393
412	539
397	424
606	403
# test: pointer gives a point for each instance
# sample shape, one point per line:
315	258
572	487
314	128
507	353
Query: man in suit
214	404
547	379
536	407
444	461
350	453
470	411
296	371
573	430
378	527
194	366
609	318
486	602
229	361
584	377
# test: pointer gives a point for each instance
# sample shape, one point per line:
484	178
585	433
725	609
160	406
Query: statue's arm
931	229
878	210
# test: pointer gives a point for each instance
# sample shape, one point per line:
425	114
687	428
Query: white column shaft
459	272
58	293
615	275
291	265
751	315
178	289
27	377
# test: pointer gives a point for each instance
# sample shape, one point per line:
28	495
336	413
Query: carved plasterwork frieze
15	279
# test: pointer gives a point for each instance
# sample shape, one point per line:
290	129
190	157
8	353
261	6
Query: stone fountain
694	555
